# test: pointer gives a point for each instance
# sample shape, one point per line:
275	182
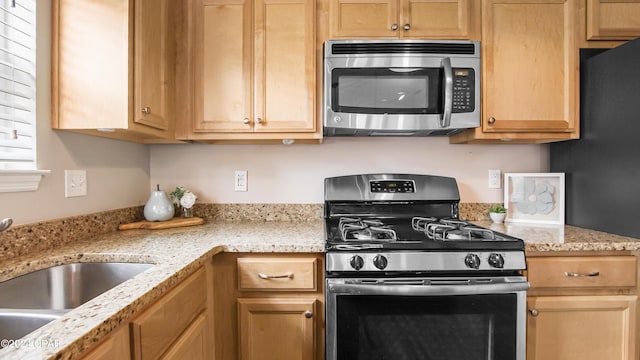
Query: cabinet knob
259	120
246	121
534	312
407	27
394	27
146	110
308	314
492	120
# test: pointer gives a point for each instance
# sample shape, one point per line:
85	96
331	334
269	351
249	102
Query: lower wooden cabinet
177	319
581	327
277	328
268	306
115	346
582	307
193	344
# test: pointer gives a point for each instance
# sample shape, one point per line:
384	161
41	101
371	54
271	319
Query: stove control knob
496	260
356	262
380	262
472	261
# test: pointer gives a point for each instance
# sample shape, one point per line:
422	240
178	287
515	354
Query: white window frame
18	161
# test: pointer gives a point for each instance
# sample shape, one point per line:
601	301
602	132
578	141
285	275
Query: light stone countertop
177	252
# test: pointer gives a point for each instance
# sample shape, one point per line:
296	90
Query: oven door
426	318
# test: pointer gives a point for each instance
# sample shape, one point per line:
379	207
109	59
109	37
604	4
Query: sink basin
15	324
30	301
65	286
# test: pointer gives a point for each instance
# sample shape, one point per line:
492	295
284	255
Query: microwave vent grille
403	48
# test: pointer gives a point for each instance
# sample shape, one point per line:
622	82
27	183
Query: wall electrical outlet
494	178
240	180
75	183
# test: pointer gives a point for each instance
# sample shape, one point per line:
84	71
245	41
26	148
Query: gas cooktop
408	223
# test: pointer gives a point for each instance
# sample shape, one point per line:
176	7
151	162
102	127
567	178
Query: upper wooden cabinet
613	19
530	72
249	71
113	68
405	19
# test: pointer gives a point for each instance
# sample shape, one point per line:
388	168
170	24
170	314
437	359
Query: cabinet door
613	19
284	66
153	64
222	59
530	67
363	18
442	19
154	331
530	72
116	346
581	327
192	344
276	328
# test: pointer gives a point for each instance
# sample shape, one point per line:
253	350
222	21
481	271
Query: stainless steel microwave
400	87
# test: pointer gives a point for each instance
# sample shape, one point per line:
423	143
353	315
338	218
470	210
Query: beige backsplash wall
295	173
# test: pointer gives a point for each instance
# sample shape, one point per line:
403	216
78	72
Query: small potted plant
497	213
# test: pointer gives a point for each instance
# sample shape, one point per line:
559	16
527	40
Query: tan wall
294	174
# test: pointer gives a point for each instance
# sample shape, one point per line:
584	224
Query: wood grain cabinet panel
155	330
113	68
582	307
581	327
275	329
403	19
613	19
530	72
250	70
115	346
583	272
272	318
276	274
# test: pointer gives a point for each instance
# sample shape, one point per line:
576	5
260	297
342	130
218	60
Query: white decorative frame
534	197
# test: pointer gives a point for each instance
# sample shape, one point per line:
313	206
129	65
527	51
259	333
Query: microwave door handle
445	121
404	70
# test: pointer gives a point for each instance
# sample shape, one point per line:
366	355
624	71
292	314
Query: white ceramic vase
158	207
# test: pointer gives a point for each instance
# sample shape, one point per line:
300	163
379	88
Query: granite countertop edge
178	252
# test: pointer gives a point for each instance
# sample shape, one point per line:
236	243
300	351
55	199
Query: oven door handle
445	121
427	288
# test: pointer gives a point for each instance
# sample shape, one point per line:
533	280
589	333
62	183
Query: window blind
17	84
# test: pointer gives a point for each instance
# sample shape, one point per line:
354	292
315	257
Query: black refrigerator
603	167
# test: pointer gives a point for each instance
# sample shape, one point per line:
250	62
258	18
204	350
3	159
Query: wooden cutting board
172	223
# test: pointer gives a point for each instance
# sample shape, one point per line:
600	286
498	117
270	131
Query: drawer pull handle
591	274
534	312
265	276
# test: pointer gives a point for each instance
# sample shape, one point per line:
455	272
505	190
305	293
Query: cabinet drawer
582	272
158	326
277	274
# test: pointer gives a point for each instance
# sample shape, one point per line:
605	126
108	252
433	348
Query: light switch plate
75	183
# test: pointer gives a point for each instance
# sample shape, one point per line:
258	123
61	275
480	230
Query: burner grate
365	230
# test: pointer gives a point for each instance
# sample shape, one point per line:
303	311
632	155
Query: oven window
480	327
384	91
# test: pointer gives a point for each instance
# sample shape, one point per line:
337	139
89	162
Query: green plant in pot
497	213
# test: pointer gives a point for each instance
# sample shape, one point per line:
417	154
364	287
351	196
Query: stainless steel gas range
407	279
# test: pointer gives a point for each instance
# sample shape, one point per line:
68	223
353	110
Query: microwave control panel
463	90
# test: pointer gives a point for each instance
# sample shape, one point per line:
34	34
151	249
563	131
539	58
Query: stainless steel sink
32	300
65	286
15	324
